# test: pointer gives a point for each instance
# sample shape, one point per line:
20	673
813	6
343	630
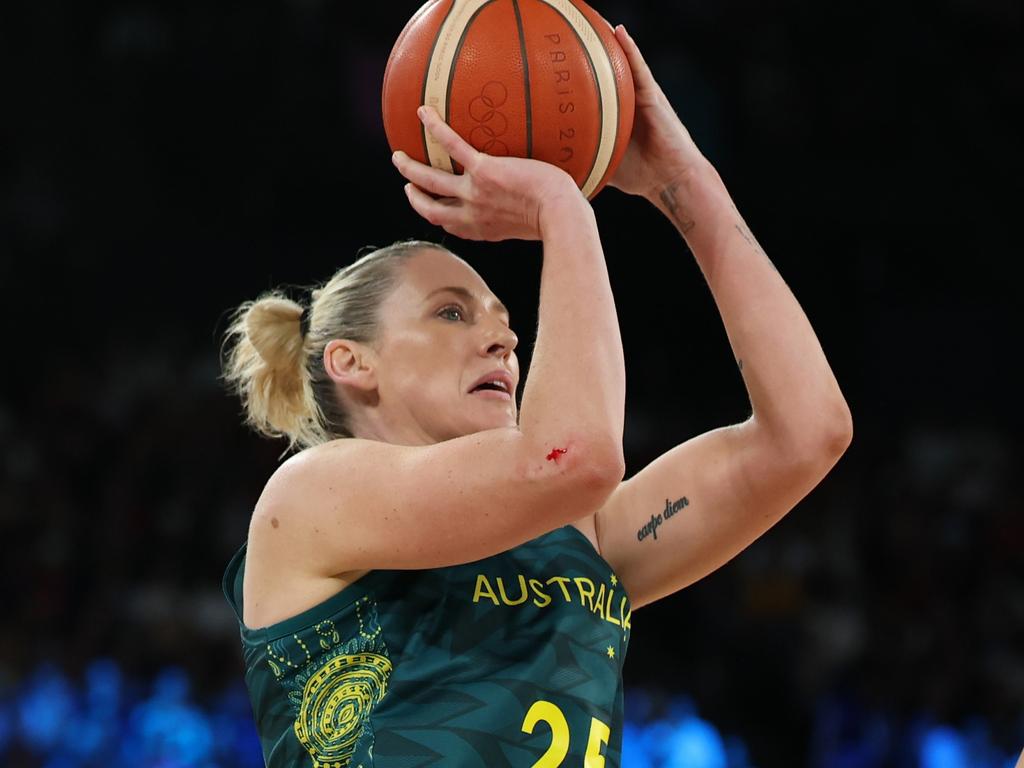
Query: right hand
495	198
660	150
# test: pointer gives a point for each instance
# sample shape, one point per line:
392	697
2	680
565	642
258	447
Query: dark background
163	162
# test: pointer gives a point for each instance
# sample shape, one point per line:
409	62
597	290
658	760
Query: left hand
660	149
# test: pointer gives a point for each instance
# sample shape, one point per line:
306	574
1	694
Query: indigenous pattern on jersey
513	661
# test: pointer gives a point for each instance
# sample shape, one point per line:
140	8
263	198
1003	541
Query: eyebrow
458	290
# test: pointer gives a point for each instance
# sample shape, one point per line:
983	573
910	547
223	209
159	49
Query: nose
498	339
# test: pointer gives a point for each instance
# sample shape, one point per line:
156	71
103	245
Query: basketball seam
601	75
426	76
438	82
526	80
618	114
597	84
455	64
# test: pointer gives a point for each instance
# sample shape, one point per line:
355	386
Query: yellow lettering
585	594
547	712
522	587
608	609
560	580
481	584
599	601
624	614
599	735
536	585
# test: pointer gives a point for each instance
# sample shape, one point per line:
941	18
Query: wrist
562	206
684	195
684	183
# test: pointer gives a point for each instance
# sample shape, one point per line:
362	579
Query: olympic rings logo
483	109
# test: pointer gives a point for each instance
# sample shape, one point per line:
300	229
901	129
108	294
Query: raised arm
358	504
704	501
577	379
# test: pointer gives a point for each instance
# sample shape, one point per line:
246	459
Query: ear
351	363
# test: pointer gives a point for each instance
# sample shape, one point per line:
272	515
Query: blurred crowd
105	720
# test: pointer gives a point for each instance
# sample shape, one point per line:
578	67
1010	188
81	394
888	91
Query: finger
441	213
433	180
642	75
456	147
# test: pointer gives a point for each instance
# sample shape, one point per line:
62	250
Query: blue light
117	724
166	730
943	747
46	706
678	739
696	744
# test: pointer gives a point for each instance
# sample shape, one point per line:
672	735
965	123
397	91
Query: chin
497	421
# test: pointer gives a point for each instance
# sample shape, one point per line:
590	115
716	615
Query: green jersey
514	660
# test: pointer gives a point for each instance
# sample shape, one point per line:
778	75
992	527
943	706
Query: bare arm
577	374
704	501
792	389
357	504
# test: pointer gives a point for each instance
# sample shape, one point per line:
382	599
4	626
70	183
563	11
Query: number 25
552	715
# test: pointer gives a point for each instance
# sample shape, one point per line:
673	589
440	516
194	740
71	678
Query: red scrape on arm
555	453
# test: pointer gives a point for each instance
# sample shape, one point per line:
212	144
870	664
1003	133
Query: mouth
492	394
497	385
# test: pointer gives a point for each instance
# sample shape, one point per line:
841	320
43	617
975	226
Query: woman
452	583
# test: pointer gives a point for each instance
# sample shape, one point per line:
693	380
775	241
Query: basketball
544	79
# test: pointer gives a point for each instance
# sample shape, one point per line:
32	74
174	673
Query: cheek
424	368
426	374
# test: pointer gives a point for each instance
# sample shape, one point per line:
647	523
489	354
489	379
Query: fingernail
394	157
421	112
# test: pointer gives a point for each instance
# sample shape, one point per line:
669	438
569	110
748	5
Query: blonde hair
279	373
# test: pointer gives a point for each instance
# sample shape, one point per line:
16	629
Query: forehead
428	271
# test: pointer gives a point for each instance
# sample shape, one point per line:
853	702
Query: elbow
817	439
839	431
829	438
605	468
610	461
594	467
576	474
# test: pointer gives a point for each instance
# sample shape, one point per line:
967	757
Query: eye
452	308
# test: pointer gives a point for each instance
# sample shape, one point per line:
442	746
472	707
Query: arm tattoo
650	528
747	235
676	211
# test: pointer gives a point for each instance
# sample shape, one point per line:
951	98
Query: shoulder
337	462
287	520
289	563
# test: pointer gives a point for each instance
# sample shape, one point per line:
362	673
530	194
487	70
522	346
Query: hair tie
304	322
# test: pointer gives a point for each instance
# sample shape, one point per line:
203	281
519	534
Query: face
442	330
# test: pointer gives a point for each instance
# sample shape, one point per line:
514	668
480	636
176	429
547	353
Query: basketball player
440	579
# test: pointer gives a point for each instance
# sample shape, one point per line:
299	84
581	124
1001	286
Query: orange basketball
528	78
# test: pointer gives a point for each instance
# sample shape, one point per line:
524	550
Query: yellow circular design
336	701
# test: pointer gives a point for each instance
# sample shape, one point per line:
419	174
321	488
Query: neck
374	425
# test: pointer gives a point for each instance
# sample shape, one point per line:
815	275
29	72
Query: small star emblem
611	652
614	580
